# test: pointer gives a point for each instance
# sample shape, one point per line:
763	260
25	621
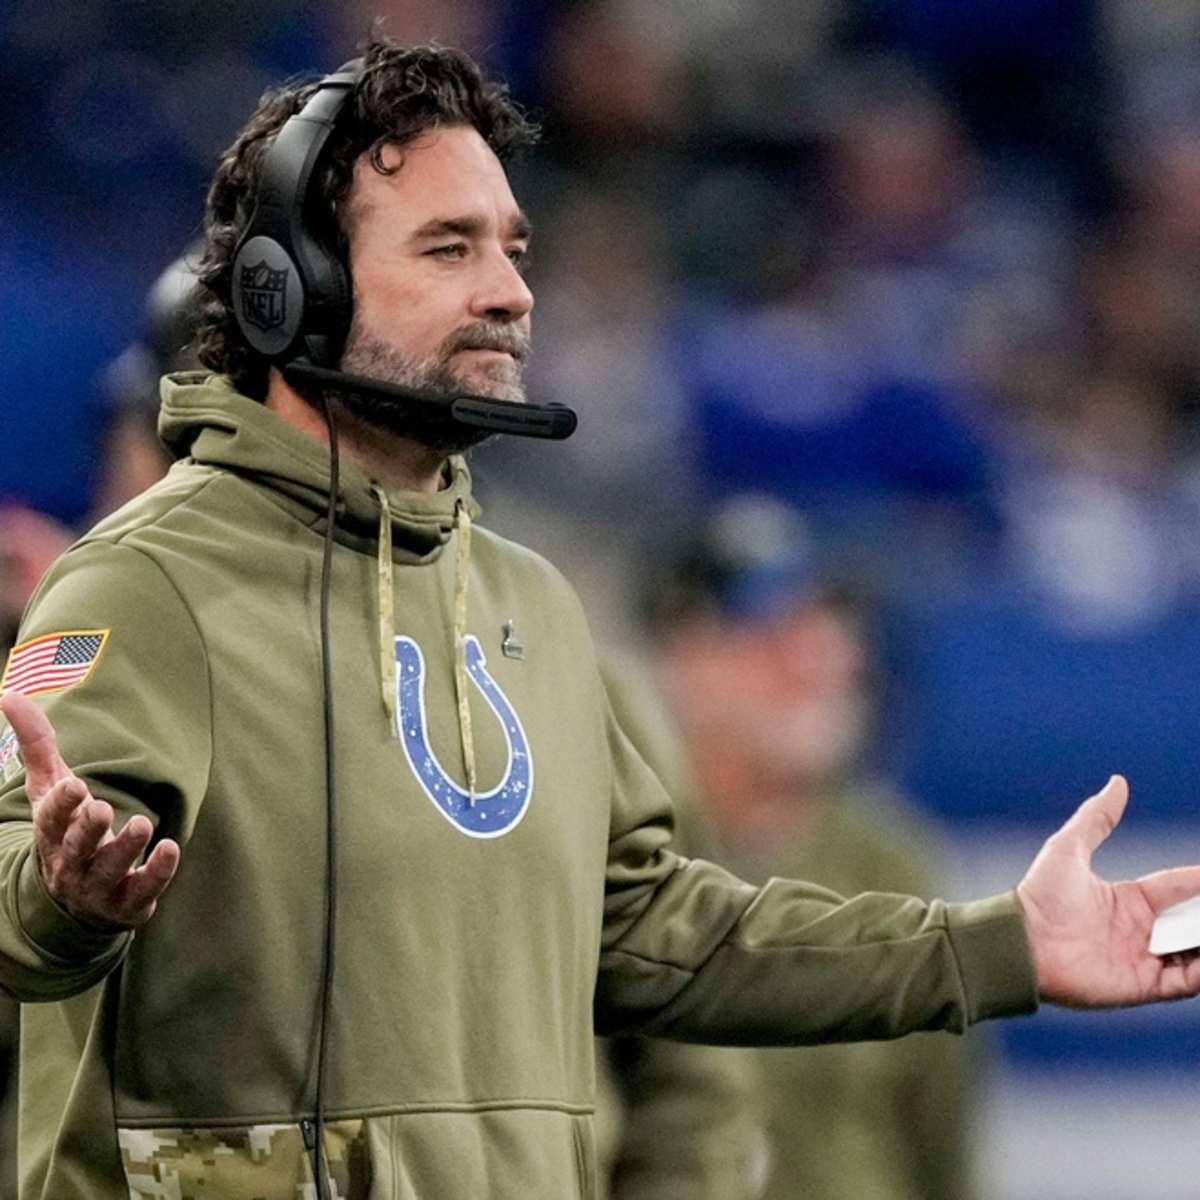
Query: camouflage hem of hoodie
249	1162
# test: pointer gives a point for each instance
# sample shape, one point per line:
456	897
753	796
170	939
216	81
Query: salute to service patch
54	662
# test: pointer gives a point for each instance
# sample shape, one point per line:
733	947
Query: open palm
1090	938
87	867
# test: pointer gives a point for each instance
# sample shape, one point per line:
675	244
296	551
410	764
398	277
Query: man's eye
451	250
519	257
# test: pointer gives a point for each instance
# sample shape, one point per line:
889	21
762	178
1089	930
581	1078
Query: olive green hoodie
475	933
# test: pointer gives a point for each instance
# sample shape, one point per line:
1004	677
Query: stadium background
925	268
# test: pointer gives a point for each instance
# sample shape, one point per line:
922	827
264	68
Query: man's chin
489	386
433	428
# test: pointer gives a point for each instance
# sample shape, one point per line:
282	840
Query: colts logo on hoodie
490	814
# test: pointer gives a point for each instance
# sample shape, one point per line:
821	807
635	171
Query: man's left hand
1090	938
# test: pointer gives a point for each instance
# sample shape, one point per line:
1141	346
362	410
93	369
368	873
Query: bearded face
437	248
483	358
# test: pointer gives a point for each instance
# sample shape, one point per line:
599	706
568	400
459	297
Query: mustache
487	335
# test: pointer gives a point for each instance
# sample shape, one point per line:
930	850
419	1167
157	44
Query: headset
293	297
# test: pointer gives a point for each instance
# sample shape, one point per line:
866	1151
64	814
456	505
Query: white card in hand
1177	928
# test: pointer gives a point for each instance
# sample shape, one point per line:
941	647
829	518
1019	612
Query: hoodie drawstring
387	625
387	616
462	560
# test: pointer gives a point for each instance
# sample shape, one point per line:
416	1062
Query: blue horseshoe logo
496	812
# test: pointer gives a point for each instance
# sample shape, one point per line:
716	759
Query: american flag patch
54	662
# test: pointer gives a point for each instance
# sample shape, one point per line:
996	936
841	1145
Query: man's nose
503	294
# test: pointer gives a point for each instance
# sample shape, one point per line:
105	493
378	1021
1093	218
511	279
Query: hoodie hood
203	418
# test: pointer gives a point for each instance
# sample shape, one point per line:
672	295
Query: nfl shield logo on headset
264	295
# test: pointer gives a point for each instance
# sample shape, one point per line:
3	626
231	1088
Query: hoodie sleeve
136	727
692	953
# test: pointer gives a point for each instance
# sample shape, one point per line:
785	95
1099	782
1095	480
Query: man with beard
389	935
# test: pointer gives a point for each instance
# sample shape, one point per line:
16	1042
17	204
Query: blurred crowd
887	307
922	268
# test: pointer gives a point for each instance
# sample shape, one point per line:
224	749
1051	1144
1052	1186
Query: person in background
674	1122
131	455
771	673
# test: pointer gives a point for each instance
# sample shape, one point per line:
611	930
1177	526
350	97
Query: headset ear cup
289	295
339	307
268	296
329	299
343	312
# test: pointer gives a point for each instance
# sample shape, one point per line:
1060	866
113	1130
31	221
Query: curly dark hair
402	92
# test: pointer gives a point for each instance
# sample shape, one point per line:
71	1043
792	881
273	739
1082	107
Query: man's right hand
89	870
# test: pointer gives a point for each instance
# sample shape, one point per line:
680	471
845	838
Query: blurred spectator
771	674
133	455
126	453
673	1121
1099	494
856	388
29	543
612	82
1140	281
901	166
1101	525
921	223
1027	76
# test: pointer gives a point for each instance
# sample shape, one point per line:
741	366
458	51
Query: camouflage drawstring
387	621
462	559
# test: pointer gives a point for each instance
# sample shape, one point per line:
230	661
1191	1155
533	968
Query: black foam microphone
553	421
